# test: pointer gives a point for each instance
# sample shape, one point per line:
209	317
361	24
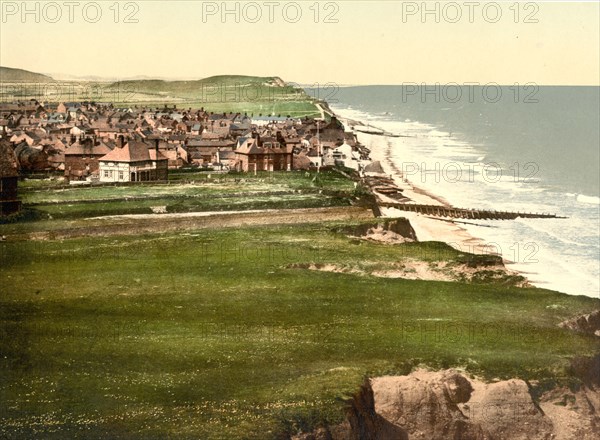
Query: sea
524	148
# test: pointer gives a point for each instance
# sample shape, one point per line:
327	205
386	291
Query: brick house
205	151
82	158
252	155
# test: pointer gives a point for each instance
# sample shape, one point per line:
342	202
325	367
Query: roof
202	143
87	149
227	154
133	151
250	146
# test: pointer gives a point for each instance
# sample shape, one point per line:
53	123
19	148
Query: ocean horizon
511	148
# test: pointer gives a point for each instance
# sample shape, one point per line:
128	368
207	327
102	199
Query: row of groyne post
460	213
390	196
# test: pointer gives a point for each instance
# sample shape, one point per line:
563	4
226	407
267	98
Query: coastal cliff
450	405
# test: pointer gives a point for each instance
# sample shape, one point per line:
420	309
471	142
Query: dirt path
157	223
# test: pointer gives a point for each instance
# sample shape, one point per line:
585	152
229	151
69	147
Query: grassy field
46	202
219	334
210	335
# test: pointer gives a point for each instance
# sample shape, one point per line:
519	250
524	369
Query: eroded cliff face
588	324
397	230
447	404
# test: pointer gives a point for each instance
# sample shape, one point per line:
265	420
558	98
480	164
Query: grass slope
236	93
224	93
219	334
8	75
208	335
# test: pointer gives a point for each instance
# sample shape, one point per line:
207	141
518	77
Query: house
240	129
254	155
105	129
4	127
56	118
315	157
205	151
82	158
9	175
133	161
196	129
226	158
174	152
33	137
177	156
73	112
344	155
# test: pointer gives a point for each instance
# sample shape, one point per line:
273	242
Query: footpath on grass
136	224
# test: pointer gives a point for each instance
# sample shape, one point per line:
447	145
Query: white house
133	162
345	154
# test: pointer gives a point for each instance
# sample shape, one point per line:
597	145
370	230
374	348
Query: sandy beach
426	228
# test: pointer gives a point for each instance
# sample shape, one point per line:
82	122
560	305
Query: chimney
280	138
121	141
256	136
156	142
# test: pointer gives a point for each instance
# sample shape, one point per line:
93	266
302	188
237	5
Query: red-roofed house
133	162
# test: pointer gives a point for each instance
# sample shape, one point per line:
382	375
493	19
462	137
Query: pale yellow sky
373	42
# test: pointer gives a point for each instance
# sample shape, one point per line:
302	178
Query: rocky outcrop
425	405
586	369
588	324
397	230
448	405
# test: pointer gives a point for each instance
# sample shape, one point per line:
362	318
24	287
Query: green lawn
208	334
47	206
188	184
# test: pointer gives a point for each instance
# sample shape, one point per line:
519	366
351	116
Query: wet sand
426	228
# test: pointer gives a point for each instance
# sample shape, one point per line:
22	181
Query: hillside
267	95
163	85
8	75
231	93
254	88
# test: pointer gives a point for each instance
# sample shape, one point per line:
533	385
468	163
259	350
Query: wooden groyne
475	214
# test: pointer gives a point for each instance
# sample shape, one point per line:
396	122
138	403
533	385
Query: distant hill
8	75
183	88
269	95
232	93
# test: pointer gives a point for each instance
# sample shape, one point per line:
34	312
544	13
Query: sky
308	42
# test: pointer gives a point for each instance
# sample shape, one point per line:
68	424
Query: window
121	177
105	173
